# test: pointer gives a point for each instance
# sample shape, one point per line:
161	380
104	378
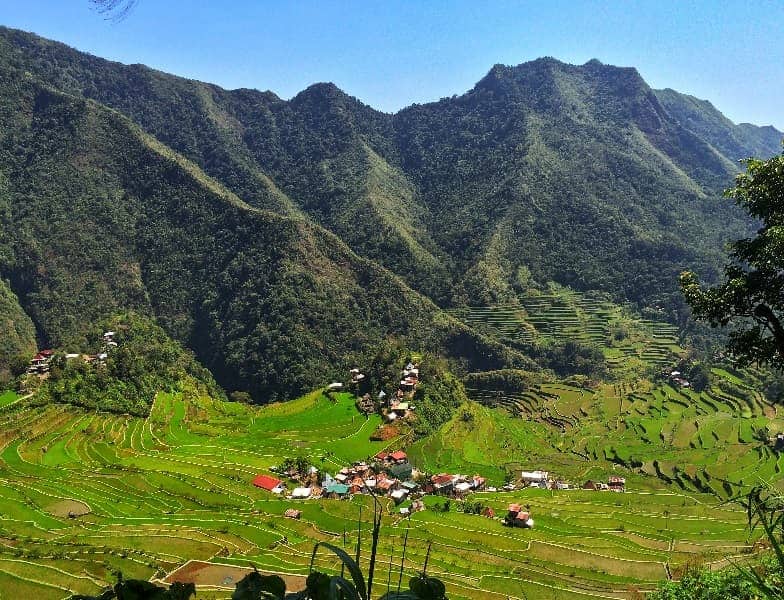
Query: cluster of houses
544	481
388	474
446	484
399	405
394	407
42	361
614	484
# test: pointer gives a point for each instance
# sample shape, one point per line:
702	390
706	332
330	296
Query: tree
752	296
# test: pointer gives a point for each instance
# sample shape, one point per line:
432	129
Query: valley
224	312
85	493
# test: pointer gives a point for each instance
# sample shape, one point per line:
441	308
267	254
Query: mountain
282	240
701	117
579	174
100	218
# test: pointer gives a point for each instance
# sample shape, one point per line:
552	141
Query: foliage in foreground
752	295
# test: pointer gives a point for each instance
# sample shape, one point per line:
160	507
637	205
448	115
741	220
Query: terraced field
630	344
83	494
709	441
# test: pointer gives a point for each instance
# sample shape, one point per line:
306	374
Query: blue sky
391	54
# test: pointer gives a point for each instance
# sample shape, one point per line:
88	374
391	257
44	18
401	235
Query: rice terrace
85	494
391	301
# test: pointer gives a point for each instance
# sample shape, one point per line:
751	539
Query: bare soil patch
68	509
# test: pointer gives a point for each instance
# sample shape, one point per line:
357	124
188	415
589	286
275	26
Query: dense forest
102	218
283	240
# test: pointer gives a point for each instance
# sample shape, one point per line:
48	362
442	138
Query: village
41	362
389	474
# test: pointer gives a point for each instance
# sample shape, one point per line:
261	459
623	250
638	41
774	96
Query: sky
392	54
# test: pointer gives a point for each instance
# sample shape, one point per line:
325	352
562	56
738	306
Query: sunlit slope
176	486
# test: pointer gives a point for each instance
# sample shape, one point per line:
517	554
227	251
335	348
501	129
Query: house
335	386
443	483
108	336
478	483
778	444
590	485
301	493
398	456
517	517
269	483
534	477
385	484
399	495
40	362
411	486
401	470
462	487
292	513
365	404
616	484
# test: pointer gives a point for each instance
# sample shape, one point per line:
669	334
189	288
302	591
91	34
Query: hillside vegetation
102	218
17	335
582	175
283	240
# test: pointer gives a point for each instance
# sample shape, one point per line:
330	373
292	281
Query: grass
7	398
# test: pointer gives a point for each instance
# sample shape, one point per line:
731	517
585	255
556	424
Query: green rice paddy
177	485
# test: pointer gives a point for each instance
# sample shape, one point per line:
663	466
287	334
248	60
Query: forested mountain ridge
100	217
207	208
468	196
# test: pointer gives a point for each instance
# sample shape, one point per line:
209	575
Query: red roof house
268	483
399	455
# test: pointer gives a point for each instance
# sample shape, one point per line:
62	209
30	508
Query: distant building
534	476
271	484
517	517
41	361
301	493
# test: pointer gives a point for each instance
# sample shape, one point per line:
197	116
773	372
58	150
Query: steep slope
17	335
733	141
544	171
104	218
576	173
319	154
